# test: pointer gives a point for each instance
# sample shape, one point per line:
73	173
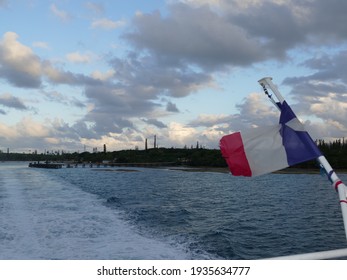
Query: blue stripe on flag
298	144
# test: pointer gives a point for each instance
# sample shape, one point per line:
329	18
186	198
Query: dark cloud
11	101
120	101
140	81
58	97
171	107
59	76
84	131
236	36
275	25
325	19
148	77
328	67
77	103
194	35
327	77
112	109
155	122
19	78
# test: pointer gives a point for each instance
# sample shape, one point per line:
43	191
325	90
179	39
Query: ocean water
109	213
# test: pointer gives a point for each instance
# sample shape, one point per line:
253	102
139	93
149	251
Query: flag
266	149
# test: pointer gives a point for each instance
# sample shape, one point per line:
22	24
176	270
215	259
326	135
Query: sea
163	214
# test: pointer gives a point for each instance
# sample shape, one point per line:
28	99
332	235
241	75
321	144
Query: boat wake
44	219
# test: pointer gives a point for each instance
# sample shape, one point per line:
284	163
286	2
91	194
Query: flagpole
339	186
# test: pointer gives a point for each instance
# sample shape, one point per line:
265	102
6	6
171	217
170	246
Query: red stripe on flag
234	153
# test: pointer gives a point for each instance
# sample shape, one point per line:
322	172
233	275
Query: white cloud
96	8
42	45
21	67
61	14
29	127
19	63
8	132
106	24
52	140
180	134
208	120
328	107
77	57
103	76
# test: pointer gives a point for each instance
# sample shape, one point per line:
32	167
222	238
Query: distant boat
46	165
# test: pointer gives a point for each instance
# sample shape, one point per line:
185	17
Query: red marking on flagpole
337	184
343	201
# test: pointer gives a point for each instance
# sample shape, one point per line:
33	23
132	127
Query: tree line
174	156
334	151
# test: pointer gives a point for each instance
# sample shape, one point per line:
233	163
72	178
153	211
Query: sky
75	75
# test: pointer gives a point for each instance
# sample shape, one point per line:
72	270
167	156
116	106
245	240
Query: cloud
61	14
96	8
133	88
180	52
322	95
59	76
21	67
103	76
211	120
29	134
148	77
107	24
255	111
18	64
41	45
77	57
60	98
199	3
155	122
180	134
29	127
218	35
328	108
23	135
3	3
195	35
11	101
113	108
171	107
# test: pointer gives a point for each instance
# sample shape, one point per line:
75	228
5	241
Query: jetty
53	165
113	164
46	165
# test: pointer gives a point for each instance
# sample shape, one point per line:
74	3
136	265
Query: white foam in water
43	219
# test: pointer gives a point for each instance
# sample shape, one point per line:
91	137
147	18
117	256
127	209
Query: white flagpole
340	187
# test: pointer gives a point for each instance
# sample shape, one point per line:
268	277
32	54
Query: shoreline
226	170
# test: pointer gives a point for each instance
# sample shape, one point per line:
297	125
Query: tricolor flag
266	149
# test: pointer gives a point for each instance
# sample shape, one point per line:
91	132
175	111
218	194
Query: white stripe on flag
264	149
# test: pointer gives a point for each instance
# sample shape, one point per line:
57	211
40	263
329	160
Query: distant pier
46	165
135	164
97	165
